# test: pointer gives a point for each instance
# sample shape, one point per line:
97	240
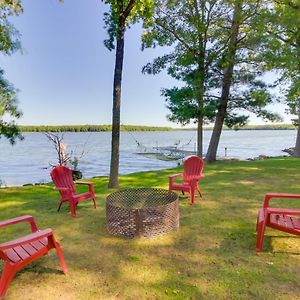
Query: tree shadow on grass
37	267
120	254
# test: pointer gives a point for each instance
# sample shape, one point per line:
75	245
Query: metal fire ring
142	212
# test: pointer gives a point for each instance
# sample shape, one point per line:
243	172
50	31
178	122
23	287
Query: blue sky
65	73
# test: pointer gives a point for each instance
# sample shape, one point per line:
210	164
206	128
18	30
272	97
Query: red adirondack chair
21	252
62	178
192	173
283	219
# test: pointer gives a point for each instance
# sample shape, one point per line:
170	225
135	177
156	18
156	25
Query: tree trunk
211	155
201	69
115	138
200	137
297	146
200	114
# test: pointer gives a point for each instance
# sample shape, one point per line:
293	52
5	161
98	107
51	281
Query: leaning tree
240	88
190	32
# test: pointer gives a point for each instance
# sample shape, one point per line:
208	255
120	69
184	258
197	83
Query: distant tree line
107	128
253	127
89	128
268	127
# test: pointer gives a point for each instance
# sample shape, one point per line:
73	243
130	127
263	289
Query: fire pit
142	212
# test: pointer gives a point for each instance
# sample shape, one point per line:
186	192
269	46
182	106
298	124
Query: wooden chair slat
29	249
37	245
296	222
21	252
12	255
288	222
44	241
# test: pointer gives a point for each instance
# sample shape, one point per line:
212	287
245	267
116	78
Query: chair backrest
62	178
193	166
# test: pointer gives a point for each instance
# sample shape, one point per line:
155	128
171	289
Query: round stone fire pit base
142	212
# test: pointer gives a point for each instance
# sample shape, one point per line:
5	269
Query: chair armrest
17	220
83	182
61	188
175	175
199	177
171	178
90	184
27	239
195	180
286	211
269	196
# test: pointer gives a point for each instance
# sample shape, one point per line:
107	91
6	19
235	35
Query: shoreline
219	159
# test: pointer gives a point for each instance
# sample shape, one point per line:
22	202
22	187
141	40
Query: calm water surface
28	161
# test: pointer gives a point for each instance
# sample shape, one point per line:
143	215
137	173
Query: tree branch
173	32
128	9
281	38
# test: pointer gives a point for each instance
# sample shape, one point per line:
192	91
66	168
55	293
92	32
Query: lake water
28	161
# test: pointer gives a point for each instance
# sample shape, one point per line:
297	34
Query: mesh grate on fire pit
142	212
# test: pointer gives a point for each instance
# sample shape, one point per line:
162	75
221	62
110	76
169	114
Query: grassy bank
212	256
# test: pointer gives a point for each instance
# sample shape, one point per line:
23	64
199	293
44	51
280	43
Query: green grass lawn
211	256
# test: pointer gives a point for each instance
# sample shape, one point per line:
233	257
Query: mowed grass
211	256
